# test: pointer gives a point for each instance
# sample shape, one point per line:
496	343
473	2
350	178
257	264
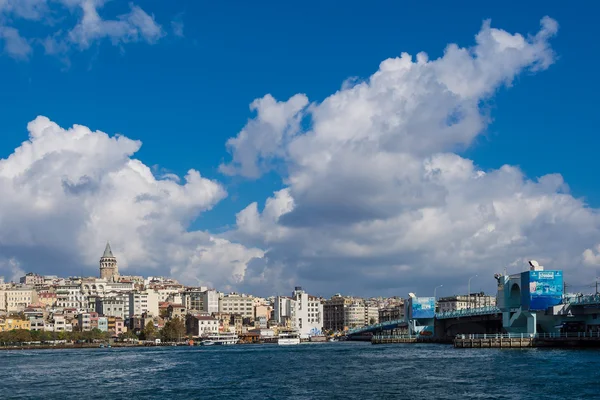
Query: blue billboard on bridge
541	289
422	307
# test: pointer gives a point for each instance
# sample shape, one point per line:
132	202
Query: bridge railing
583	299
556	335
375	327
402	336
468	312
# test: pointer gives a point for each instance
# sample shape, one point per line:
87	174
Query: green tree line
173	330
23	335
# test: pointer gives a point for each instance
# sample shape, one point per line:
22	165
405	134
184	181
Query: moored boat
288	338
223	338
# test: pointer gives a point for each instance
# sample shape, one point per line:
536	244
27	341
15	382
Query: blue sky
184	96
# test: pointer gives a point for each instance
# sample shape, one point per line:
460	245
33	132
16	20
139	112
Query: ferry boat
288	338
223	338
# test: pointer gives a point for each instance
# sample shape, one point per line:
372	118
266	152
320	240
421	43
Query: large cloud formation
135	25
66	192
377	198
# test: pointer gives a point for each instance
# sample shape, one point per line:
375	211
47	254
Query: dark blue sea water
309	371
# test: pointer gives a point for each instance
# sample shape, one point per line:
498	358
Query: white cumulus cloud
65	192
91	26
379	198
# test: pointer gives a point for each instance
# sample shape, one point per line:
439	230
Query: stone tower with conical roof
108	265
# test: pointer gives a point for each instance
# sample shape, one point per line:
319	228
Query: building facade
463	302
237	304
392	313
15	298
334	313
32	279
308	313
199	325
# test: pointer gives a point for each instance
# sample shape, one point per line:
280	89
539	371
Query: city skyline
413	156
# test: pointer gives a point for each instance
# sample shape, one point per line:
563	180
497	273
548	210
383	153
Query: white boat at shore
223	338
207	343
288	338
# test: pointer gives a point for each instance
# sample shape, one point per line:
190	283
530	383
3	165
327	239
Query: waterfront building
237	304
392	313
334	313
301	311
37	323
354	315
87	321
116	326
58	323
308	313
109	269
9	324
463	302
201	325
103	324
265	333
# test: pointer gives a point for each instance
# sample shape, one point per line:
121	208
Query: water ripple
316	371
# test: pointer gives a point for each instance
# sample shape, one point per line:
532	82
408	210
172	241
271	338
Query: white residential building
69	295
143	302
308	315
202	325
462	302
301	311
15	298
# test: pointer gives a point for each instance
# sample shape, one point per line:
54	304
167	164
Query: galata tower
108	265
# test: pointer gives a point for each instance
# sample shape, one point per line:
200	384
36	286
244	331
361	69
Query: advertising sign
423	307
544	289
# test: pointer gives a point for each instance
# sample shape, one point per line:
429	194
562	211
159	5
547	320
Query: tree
149	332
127	335
173	330
22	335
372	321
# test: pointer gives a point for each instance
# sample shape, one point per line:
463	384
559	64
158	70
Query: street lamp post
435	297
469	289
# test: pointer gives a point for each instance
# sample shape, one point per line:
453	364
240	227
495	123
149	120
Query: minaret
108	265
